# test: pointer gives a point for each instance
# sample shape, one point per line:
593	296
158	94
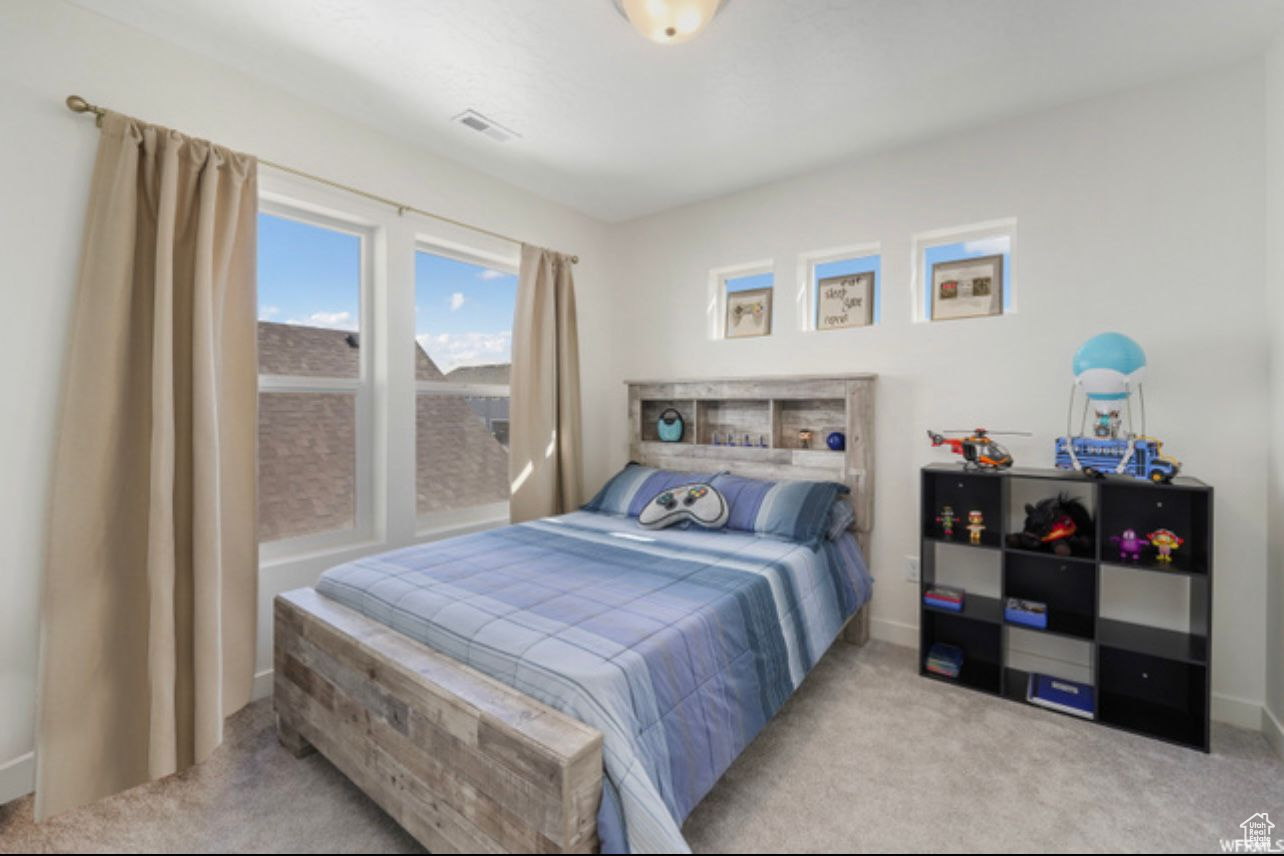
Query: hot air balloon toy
1109	368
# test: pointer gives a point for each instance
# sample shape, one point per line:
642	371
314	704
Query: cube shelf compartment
1148	679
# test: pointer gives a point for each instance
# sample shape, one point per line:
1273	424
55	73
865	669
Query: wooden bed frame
465	763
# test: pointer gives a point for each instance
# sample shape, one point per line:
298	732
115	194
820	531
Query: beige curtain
544	426
149	608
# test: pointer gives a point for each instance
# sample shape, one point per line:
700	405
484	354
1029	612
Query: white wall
1140	212
49	50
1271	722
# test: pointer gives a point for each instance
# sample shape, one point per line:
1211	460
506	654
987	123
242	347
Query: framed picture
845	301
967	288
749	313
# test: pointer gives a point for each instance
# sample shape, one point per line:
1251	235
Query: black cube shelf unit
1147	679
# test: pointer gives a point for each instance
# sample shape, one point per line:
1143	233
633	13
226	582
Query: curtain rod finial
76	104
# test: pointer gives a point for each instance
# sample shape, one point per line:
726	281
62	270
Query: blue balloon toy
1109	369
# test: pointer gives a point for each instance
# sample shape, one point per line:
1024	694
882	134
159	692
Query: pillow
841	518
699	503
629	490
793	510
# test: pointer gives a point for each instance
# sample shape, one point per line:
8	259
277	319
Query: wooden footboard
462	762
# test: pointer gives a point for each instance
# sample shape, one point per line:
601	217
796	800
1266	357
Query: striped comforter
678	646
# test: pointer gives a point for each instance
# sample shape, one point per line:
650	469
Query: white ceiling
618	127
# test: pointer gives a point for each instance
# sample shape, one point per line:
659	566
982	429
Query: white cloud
267	313
456	300
452	350
488	273
332	320
988	246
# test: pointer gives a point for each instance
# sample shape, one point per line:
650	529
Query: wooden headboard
771	411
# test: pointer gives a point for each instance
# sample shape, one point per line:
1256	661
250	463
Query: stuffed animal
1058	524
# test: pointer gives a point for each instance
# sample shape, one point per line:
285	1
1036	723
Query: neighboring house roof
307	441
495	373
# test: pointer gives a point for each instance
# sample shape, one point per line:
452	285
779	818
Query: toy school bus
1142	458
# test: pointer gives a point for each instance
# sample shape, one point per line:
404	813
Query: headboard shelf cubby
765	417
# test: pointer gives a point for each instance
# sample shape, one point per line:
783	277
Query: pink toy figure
1165	541
1130	546
975	526
947	518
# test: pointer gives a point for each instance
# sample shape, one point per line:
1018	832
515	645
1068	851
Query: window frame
808	298
717	303
922	242
487	514
360	388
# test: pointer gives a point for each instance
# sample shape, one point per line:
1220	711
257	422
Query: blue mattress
677	645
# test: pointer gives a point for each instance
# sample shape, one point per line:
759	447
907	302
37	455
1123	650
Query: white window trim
1006	228
457	521
307	211
717	303
806	299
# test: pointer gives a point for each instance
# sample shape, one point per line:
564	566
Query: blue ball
836	441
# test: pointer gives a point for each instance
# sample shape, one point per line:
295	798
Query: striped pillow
794	510
629	490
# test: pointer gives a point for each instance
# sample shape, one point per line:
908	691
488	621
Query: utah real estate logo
1256	837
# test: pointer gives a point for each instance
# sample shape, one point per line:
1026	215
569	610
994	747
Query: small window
740	304
844	289
464	334
966	273
313	388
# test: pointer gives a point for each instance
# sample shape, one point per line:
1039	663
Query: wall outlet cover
911	569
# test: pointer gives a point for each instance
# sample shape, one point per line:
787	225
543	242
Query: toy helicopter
978	448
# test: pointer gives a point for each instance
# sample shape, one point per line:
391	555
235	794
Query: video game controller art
702	504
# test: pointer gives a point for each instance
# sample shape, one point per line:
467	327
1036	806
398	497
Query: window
313	378
859	304
733	280
990	243
463	329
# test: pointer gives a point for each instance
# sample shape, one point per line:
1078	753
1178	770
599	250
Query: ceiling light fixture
669	22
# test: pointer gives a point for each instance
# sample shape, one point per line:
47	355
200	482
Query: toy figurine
947	519
1130	546
975	526
804	439
1165	541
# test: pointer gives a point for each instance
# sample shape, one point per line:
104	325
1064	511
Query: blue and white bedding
678	645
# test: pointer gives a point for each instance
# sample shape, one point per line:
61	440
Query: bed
575	682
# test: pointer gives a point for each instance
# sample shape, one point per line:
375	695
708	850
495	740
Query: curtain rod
76	104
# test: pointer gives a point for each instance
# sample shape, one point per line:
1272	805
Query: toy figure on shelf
947	520
978	450
975	526
1165	541
1130	546
1059	524
804	439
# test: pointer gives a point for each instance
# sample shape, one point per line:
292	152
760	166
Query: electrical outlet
911	569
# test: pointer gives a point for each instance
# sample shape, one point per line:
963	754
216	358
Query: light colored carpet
868	756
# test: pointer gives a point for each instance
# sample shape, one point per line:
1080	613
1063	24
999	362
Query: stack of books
944	597
946	660
1060	694
1031	613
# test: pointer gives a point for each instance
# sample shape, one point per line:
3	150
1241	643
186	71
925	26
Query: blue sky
1000	245
311	275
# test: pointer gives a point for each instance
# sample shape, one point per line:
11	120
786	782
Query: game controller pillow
632	488
699	503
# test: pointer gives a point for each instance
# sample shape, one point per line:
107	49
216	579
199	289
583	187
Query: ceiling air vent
478	122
